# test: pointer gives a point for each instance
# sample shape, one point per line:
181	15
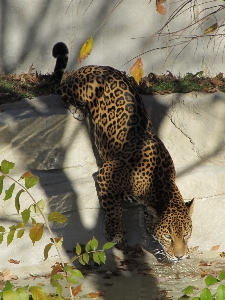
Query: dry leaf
13	261
86	49
214	248
204	272
211	28
137	70
95	295
159	7
57	268
76	290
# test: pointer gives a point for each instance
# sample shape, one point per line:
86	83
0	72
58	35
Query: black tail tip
60	49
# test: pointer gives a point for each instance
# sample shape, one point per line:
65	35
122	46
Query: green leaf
68	268
57	217
6	166
81	261
222	275
20	233
17	200
22	293
38	293
33	221
8	286
1	237
55	283
210	280
94	243
96	258
20	225
88	247
78	249
41	206
46	250
30	180
220	293
10	295
206	294
59	290
77	273
1	183
108	245
8	193
26	215
195	298
36	232
57	277
2	229
10	235
102	256
85	258
72	279
188	290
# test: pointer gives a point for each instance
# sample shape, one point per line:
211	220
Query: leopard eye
168	237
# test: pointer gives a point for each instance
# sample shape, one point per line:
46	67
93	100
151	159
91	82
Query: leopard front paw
118	237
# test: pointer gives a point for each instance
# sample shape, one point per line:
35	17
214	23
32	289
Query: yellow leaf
38	293
137	70
86	49
211	28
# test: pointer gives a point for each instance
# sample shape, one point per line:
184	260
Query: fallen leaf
214	248
195	248
204	264
76	290
204	272
137	70
95	295
13	261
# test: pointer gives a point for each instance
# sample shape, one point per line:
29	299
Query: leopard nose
179	257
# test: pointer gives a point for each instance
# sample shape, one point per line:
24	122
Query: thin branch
112	10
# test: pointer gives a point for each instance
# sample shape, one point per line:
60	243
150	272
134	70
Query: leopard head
172	230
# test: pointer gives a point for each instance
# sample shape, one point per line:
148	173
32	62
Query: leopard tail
60	52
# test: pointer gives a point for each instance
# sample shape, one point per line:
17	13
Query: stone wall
41	136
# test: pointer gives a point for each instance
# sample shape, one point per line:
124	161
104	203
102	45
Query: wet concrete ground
136	275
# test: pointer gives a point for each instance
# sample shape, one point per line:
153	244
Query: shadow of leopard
136	166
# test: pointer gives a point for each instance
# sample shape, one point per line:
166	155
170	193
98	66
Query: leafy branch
60	270
206	293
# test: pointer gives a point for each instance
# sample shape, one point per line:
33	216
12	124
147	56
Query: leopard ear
190	206
153	212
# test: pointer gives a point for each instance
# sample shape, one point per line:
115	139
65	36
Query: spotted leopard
135	163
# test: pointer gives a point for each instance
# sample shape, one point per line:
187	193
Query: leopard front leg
114	228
